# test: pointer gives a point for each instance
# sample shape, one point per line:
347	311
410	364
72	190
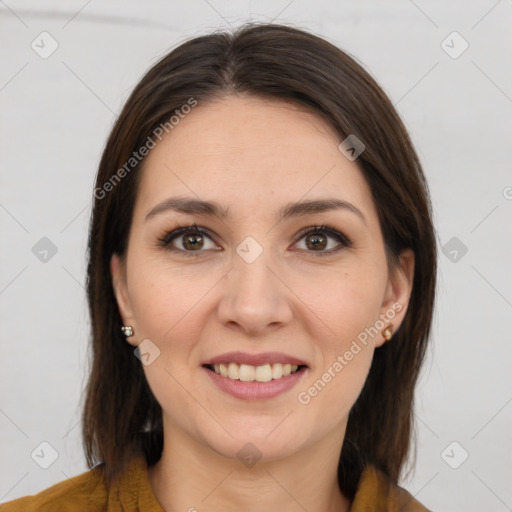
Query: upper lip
254	359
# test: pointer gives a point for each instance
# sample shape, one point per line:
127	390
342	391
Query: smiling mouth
248	373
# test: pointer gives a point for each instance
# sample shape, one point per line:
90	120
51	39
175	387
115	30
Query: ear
119	284
398	292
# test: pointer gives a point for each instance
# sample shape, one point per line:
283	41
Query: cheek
162	298
335	391
349	301
350	307
165	303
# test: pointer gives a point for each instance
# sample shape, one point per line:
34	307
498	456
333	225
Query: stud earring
387	333
127	330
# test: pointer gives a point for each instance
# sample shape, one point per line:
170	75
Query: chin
258	445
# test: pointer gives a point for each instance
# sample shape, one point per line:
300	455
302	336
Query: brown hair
121	417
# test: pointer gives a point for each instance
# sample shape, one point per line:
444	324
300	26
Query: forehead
251	152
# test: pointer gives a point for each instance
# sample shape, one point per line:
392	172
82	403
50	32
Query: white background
56	114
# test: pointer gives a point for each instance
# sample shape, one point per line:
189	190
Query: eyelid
328	230
166	240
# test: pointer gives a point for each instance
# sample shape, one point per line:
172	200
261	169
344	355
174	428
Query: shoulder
375	491
86	491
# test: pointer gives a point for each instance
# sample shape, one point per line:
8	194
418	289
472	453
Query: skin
254	155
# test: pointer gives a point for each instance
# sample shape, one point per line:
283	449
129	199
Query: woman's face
252	282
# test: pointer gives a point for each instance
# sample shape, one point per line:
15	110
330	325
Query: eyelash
345	242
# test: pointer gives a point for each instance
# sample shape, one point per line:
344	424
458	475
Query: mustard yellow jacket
87	492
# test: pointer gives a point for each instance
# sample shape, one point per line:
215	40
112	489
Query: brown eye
191	239
317	239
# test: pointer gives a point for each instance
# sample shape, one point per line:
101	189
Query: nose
255	297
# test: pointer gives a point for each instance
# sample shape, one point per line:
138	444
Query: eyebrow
213	209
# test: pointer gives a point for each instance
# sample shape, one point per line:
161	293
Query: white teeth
263	373
246	373
233	371
277	371
249	373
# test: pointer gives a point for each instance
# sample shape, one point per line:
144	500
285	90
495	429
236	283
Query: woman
261	280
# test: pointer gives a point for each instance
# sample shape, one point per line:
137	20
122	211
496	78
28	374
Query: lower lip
255	390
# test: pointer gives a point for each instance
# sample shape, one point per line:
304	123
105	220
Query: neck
191	476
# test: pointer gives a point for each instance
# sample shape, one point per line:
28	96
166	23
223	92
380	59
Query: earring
387	332
127	330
